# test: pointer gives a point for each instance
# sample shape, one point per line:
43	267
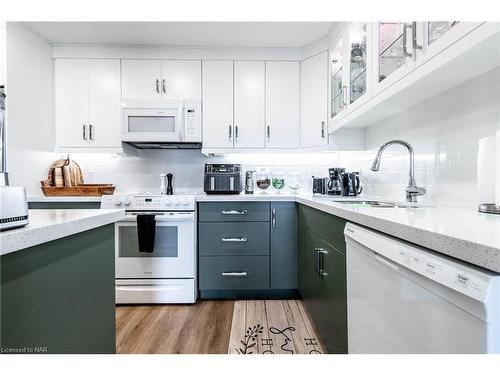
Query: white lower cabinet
249	104
282	104
314	100
87	103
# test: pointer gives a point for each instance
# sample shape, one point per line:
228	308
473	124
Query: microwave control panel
192	121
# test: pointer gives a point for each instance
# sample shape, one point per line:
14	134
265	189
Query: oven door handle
178	217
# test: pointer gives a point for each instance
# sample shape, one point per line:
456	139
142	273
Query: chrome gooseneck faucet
412	190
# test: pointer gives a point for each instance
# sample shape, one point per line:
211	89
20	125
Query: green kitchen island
57	283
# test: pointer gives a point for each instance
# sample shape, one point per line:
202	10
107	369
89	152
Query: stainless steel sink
368	203
377	203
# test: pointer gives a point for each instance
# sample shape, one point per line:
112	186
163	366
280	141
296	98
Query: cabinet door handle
236	133
234	239
405	39
344	96
164	86
91	132
84	132
235	212
268	133
323	129
316	260
234	274
230	133
321	261
158	86
415	37
273	217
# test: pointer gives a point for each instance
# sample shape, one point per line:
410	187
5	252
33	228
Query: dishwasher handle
386	262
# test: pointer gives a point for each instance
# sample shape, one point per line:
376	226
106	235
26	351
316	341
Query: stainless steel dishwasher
402	298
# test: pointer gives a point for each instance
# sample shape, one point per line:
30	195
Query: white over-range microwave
162	123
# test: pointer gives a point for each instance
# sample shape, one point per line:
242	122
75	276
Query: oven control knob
126	202
177	202
117	201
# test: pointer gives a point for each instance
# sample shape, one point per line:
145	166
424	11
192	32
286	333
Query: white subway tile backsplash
444	131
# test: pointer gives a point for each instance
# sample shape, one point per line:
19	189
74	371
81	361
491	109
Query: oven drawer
243	272
234	238
234	211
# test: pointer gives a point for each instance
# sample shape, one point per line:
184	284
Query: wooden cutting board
80	190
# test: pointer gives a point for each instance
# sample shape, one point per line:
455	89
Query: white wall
444	131
30	107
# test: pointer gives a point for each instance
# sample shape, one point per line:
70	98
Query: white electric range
168	273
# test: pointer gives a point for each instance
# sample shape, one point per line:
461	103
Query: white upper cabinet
433	37
394	55
249	104
314	100
181	79
104	102
141	79
87	103
217	86
71	103
282	104
161	79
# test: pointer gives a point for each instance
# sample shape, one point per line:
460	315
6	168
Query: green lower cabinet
63	205
322	276
247	249
59	297
284	245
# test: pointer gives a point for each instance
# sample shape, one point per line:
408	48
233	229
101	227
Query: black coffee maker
350	184
334	185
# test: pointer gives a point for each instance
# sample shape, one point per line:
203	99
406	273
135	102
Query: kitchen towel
487	169
146	229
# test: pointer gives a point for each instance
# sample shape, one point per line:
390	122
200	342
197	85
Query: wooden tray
80	190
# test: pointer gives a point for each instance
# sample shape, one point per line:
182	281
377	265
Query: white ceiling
195	34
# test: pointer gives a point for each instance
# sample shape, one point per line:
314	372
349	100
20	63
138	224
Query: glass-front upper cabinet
395	57
434	36
350	69
359	55
337	82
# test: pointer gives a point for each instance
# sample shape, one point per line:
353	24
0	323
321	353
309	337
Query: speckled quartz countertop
462	233
49	225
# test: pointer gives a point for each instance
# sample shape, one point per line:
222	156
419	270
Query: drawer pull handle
234	274
235	212
234	239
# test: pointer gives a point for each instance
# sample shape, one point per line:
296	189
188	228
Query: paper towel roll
497	165
487	171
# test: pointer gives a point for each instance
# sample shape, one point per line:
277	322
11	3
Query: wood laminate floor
202	328
211	327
